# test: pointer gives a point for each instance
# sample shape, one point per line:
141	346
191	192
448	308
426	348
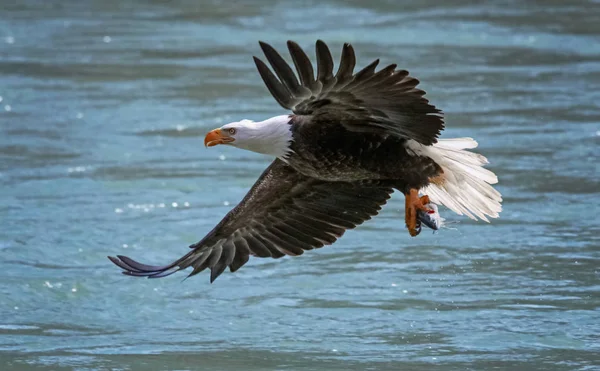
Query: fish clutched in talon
430	218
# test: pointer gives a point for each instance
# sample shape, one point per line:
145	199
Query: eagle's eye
231	131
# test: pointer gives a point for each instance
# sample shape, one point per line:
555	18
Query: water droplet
79	115
334	350
74	289
48	284
118	210
156	289
174	204
186	204
8	108
1	98
394	285
161	205
77	169
405	291
106	39
80	250
146	209
9	40
16	308
180	127
222	157
226	203
125	245
191	311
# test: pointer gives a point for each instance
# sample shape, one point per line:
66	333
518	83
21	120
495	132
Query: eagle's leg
414	203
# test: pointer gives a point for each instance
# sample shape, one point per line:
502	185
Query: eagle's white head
270	137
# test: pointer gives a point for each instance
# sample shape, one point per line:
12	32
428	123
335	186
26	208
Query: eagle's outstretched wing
386	101
284	213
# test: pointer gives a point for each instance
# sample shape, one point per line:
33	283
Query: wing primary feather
138	274
363	74
133	268
242	255
226	257
120	264
283	71
324	65
164	274
141	267
276	88
408	83
200	268
397	77
346	68
198	263
303	66
379	77
215	255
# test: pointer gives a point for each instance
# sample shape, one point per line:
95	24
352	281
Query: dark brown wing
284	213
386	101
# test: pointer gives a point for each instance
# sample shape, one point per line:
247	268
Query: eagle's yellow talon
414	203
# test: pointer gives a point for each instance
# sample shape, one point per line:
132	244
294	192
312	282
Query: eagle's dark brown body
328	151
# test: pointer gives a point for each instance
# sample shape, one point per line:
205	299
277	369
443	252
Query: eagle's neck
270	137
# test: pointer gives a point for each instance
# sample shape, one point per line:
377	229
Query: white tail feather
466	188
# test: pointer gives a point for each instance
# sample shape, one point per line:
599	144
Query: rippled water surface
104	106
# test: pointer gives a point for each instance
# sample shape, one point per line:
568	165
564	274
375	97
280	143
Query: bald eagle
351	139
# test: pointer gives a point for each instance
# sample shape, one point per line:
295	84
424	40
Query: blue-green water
102	117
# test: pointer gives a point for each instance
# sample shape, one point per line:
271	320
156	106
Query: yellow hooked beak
215	137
